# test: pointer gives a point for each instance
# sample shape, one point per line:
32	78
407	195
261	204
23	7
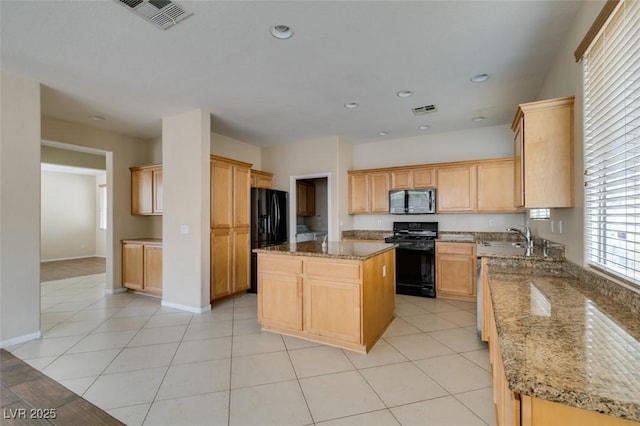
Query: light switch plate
184	229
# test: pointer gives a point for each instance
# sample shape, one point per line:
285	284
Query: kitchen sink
514	244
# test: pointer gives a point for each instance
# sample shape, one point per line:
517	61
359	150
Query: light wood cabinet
402	179
260	179
146	190
230	220
543	153
345	303
369	193
456	270
456	189
305	198
424	177
142	266
495	181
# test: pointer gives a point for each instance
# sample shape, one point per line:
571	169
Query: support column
19	210
186	147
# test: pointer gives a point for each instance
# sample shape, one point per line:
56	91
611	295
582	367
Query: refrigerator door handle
276	214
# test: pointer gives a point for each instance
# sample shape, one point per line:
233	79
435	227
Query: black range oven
415	257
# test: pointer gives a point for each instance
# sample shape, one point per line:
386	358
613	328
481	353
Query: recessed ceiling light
351	105
479	78
96	117
405	94
383	133
478	118
424	127
281	32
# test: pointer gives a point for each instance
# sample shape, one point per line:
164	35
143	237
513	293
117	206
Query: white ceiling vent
162	13
421	110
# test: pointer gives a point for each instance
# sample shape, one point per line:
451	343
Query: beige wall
471	144
19	209
53	155
186	184
122	152
232	148
67	216
565	79
311	158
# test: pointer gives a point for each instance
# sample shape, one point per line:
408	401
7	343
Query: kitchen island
564	344
342	294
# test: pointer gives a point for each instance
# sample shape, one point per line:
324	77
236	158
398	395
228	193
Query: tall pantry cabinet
230	226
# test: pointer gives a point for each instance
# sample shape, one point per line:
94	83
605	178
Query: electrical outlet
184	229
551	225
379	222
492	223
560	226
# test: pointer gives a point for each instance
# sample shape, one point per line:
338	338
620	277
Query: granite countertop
356	234
143	240
564	341
336	250
508	251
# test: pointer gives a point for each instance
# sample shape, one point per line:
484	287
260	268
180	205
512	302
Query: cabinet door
456	189
241	259
141	192
133	266
424	178
495	187
157	191
332	309
153	270
402	179
241	196
311	199
456	270
301	199
221	263
221	194
359	193
380	184
284	296
518	161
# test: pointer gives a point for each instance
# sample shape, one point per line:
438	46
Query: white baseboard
70	258
186	308
115	290
20	339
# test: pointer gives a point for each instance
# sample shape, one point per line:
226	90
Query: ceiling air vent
161	13
421	110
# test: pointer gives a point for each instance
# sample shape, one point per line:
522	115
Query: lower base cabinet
142	266
456	271
514	409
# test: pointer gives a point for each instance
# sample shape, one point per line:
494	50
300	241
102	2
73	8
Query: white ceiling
97	57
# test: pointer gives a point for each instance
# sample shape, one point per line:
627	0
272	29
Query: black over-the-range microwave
412	201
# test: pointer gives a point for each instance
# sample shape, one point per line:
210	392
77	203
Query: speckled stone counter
336	250
356	234
143	240
565	341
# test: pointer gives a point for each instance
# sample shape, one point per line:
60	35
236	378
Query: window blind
611	67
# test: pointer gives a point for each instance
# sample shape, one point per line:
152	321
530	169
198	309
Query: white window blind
612	145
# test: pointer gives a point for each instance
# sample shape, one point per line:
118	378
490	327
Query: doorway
310	206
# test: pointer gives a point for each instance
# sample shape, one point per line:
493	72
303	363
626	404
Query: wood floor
31	398
61	269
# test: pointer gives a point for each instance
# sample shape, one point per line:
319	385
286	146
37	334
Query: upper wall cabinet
146	190
543	154
410	178
260	179
456	189
305	198
495	186
369	192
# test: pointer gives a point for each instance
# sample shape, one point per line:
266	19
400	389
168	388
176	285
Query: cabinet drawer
455	248
333	270
279	264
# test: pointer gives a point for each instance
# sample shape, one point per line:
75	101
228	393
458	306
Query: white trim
20	339
186	308
293	203
115	290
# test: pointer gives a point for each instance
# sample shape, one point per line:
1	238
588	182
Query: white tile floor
151	365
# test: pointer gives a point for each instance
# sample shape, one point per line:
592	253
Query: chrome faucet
526	234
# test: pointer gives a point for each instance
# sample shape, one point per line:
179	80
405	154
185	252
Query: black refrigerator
268	224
